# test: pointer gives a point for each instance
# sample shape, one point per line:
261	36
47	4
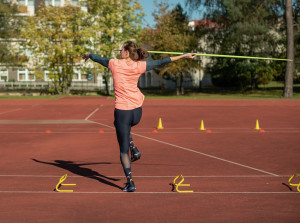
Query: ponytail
135	53
142	53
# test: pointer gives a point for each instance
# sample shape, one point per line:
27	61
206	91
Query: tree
9	24
55	38
289	72
296	15
114	22
246	28
172	33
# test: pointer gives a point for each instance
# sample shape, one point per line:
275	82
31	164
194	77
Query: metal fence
45	85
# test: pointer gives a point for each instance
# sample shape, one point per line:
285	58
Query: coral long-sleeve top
126	75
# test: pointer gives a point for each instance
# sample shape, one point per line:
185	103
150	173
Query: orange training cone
160	124
202	125
154	131
48	131
100	131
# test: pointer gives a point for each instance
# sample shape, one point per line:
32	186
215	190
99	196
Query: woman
128	98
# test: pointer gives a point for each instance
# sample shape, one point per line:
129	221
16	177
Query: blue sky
149	7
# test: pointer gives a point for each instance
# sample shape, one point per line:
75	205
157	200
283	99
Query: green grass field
274	90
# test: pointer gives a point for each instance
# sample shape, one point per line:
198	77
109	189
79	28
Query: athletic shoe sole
130	189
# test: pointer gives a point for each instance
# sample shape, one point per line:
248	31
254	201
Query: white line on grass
92	114
194	151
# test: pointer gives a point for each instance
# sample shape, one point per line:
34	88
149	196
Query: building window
22	2
3	75
22	75
30	2
57	3
31	76
46	75
26	2
25	75
74	2
52	76
84	77
53	2
77	76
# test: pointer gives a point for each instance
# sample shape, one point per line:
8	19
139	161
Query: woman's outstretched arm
154	63
103	61
184	56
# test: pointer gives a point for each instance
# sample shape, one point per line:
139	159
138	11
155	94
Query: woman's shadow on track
82	171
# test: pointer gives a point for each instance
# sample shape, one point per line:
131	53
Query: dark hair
135	53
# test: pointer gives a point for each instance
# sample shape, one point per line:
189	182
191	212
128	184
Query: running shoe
129	187
135	154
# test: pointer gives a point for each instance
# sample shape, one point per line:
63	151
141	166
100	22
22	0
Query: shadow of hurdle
77	169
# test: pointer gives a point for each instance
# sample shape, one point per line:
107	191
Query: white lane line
194	151
225	176
108	126
11	111
147	192
204	154
91	114
42	122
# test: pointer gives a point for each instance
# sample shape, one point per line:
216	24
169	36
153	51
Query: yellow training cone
257	125
160	124
202	126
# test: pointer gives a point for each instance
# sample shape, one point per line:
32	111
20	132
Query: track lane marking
11	111
194	151
91	114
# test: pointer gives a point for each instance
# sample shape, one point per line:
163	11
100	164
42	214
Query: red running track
237	173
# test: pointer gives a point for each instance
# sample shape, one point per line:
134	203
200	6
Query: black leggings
124	120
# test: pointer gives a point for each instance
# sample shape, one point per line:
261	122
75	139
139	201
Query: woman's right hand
190	56
85	56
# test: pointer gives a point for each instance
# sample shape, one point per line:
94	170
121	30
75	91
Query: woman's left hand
85	56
